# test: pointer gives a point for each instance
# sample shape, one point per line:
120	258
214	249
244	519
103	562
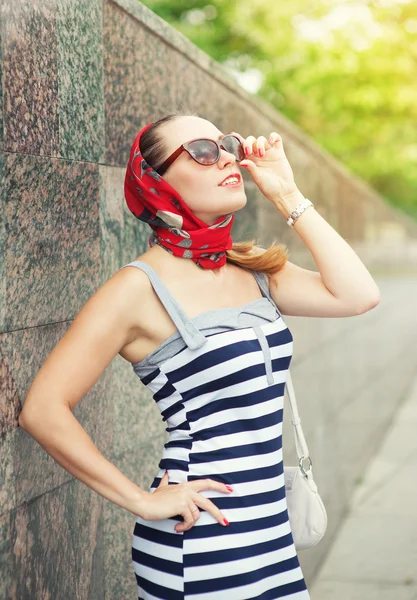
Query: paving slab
339	590
374	555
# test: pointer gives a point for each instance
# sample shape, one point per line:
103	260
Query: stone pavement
374	556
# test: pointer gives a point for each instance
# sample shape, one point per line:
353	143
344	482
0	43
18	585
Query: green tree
343	71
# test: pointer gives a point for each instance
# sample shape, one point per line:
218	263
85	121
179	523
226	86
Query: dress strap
191	335
263	283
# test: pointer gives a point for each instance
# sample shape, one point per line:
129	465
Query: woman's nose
226	156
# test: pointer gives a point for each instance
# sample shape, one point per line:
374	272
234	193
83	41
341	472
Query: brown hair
246	254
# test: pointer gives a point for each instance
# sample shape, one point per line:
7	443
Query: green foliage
345	72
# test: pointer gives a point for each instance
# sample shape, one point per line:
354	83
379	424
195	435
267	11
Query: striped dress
218	382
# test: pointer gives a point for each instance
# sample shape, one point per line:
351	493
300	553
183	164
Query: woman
198	319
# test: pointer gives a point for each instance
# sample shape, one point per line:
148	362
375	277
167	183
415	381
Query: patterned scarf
175	227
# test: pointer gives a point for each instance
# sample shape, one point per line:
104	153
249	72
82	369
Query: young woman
197	317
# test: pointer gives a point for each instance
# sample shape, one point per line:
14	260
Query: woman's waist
237	469
262	499
224	455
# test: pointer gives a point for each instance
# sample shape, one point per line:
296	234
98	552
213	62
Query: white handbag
306	511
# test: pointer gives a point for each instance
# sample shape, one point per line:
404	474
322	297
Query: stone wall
79	79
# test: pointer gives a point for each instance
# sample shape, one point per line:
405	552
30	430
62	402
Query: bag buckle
300	464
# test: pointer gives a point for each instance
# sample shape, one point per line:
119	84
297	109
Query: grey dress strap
191	335
263	283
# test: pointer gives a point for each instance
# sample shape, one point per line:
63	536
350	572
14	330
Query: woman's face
199	185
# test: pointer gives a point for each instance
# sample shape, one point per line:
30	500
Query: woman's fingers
248	144
186	500
204	503
274	138
195	512
188	521
258	146
190	517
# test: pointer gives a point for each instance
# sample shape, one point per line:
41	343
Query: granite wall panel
53	546
80	79
2	245
120	234
51	212
6	553
30	86
77	82
22	353
1	86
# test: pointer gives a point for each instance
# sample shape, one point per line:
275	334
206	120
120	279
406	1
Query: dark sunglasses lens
232	144
204	151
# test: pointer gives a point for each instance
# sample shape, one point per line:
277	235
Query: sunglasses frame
161	170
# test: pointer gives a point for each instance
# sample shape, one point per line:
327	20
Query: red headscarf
175	227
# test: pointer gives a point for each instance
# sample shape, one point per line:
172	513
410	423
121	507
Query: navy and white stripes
223	405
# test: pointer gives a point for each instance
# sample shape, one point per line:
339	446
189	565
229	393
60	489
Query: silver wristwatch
299	209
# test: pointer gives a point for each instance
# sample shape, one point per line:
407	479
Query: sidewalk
374	556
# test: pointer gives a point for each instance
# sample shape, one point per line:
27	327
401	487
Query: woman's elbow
26	420
369	305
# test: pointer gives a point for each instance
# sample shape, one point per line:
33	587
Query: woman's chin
235	201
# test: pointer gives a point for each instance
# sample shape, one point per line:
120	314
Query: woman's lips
236	175
233	185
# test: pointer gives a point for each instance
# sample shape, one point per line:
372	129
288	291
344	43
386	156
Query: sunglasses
206	151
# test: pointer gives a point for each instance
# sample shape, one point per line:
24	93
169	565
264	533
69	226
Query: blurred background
337	80
345	72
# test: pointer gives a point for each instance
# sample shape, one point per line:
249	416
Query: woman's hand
268	166
182	499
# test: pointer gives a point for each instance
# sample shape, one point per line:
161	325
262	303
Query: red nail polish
229	488
226	521
247	150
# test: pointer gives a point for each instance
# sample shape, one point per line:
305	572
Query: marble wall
77	81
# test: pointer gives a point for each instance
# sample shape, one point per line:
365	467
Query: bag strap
300	441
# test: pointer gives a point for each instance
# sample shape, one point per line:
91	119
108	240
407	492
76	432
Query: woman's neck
184	266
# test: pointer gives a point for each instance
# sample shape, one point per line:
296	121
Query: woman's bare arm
102	327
